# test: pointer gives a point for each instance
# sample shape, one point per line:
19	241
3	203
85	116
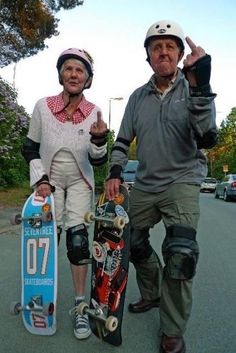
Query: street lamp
112	99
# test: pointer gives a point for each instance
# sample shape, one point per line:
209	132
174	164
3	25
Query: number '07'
33	246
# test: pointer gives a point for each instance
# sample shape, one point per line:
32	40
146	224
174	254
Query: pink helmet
79	54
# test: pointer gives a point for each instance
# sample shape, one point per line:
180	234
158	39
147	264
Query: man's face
74	76
164	56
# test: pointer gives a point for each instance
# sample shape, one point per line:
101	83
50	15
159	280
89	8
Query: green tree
13	129
132	150
57	5
101	172
224	153
24	26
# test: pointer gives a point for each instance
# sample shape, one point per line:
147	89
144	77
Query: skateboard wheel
81	308
89	217
99	252
15	308
48	309
16	219
119	222
111	323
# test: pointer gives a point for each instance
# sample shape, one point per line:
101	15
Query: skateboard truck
110	323
118	221
35	304
34	220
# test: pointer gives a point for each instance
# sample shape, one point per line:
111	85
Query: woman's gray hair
76	61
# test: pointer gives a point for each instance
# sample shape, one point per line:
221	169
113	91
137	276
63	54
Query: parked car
129	173
209	184
226	188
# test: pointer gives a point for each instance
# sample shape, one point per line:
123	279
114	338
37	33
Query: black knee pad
180	252
77	244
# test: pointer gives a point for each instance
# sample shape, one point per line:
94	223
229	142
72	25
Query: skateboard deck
38	265
110	264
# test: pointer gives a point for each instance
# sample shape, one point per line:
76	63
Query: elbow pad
30	150
99	140
115	173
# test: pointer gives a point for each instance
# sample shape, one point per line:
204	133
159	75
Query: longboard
110	264
39	262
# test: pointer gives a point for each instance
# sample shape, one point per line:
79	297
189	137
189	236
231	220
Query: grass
14	196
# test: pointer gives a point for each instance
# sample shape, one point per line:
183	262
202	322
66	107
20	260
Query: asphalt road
212	325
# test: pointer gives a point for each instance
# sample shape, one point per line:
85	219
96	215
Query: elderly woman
66	137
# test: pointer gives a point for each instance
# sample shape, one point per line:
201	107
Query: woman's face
74	76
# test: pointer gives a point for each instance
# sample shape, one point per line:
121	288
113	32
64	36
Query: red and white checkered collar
56	105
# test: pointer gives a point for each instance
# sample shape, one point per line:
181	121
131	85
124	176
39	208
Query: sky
113	31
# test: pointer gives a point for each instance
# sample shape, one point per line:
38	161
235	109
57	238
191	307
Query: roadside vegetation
14	196
25	25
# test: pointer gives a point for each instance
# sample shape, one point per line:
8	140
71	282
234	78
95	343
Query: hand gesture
99	127
196	53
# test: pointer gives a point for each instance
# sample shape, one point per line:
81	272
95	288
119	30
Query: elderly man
172	117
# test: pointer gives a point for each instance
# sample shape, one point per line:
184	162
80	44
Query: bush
14	123
101	173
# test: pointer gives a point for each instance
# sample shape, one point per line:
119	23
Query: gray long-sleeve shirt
165	131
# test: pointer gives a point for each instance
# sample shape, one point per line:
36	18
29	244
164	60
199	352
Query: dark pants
179	204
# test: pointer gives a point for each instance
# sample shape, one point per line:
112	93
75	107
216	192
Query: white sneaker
81	324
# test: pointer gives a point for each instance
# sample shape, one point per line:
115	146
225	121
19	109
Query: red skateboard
110	264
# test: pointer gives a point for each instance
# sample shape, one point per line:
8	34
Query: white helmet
165	28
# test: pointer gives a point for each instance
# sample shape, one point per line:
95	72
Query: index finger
99	117
190	43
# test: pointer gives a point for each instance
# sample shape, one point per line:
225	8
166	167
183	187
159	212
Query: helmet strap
77	94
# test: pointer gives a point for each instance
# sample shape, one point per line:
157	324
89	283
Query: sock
79	298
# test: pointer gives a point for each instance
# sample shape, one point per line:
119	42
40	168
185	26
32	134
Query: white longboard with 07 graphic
38	265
